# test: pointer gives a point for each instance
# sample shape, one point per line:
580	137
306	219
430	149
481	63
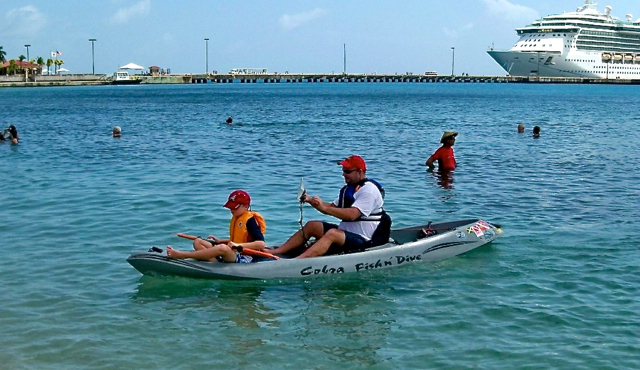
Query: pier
406	78
86	79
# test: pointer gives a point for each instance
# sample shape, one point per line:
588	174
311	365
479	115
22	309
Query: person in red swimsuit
444	154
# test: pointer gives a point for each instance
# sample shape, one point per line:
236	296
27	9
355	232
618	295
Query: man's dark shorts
352	241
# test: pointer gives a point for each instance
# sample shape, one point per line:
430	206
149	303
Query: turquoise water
559	291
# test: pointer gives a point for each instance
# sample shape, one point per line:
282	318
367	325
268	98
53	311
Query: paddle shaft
247	251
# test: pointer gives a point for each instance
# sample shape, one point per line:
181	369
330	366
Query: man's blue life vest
347	197
383	231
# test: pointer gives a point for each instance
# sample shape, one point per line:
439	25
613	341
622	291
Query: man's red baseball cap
354	161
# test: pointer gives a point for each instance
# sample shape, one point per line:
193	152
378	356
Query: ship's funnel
607	10
629	17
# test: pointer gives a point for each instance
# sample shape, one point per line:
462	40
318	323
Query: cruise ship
584	43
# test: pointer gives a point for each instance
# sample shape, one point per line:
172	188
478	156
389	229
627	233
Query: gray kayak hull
409	245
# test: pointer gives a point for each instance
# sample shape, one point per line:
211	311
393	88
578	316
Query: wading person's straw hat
447	135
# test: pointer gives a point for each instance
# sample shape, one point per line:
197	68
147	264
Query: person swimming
229	120
10	133
536	132
117	131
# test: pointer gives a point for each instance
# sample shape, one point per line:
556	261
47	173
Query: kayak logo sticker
397	260
479	228
362	266
325	270
488	235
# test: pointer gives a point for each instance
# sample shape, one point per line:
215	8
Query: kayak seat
380	236
383	231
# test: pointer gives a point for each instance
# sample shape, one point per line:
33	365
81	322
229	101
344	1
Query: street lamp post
93	65
27	46
206	55
453	60
344	56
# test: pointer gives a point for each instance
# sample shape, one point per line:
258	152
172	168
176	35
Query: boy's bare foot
173	253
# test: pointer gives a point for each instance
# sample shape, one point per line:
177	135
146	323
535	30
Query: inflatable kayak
429	242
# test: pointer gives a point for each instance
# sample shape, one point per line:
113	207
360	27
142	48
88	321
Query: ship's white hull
575	64
584	43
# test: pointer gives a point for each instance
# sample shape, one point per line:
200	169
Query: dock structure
407	78
84	79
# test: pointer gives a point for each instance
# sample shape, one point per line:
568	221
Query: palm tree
13	66
22	58
3	55
49	64
40	62
58	63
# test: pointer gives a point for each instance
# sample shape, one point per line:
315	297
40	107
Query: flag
58	53
53	54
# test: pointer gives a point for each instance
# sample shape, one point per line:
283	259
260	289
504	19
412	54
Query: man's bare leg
311	229
333	236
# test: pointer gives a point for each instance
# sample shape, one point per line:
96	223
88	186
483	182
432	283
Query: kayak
428	242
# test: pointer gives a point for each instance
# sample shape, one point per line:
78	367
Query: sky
297	36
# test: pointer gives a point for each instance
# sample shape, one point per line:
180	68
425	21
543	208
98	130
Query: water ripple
559	290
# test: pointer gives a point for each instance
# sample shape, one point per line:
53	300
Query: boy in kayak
359	208
246	229
444	154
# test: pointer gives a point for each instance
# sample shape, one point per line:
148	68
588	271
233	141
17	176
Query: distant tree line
14	67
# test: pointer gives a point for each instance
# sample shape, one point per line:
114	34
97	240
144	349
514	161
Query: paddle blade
187	236
301	190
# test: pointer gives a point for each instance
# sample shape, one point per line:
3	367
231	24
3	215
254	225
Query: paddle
247	251
302	195
302	192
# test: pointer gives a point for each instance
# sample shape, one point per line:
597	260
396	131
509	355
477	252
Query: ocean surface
560	289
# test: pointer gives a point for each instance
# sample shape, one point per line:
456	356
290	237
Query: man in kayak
246	230
444	154
359	208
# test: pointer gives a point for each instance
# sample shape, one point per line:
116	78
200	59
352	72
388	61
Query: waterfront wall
167	79
360	78
89	79
52	80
